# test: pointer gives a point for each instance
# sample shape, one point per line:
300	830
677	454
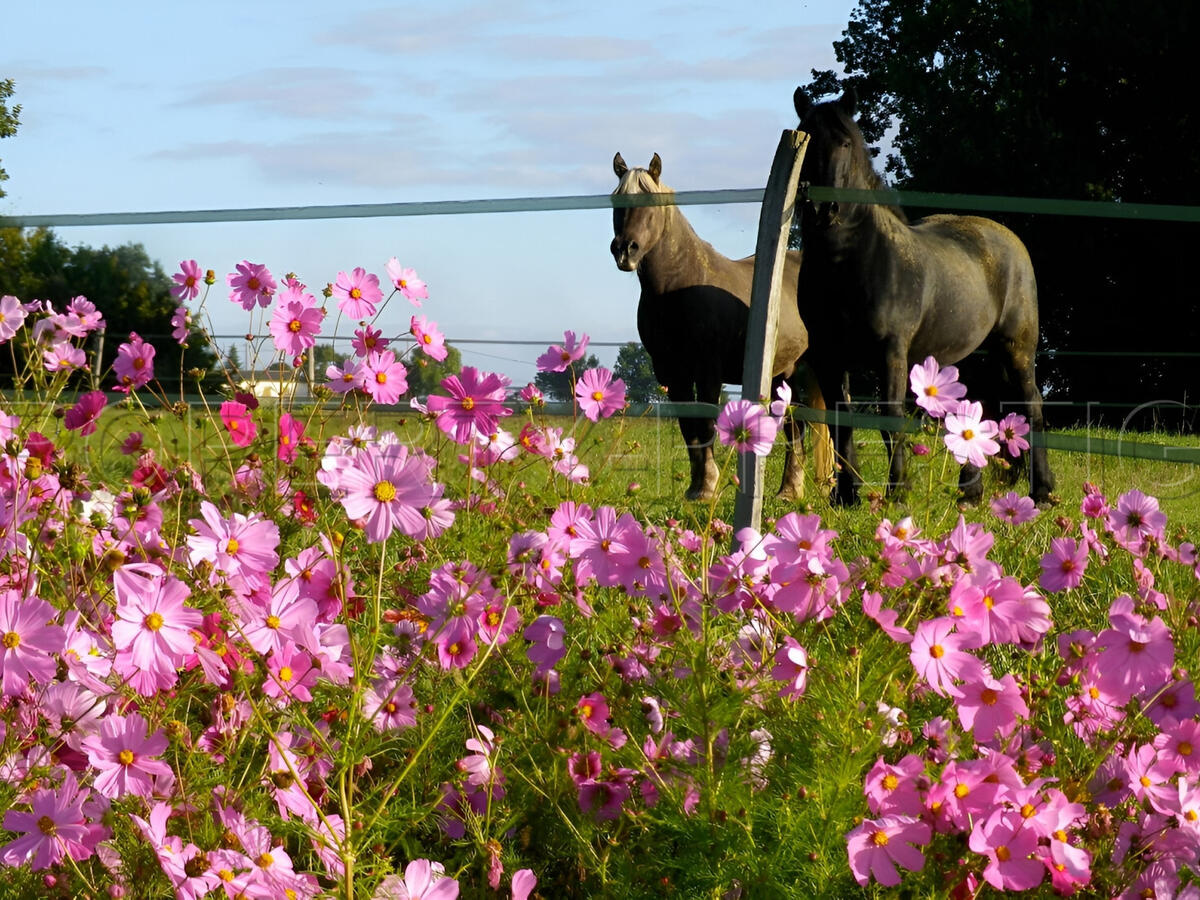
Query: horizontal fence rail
1104	209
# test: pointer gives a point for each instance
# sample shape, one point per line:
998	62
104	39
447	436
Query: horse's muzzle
627	254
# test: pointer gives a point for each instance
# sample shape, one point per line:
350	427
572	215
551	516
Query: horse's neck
678	258
864	233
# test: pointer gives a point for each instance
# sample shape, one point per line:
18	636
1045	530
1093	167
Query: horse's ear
848	102
655	167
802	102
619	166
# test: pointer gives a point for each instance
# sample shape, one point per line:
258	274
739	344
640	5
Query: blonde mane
640	181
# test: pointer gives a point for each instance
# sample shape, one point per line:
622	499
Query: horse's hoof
1049	501
704	494
790	494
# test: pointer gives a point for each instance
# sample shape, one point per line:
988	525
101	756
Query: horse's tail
822	441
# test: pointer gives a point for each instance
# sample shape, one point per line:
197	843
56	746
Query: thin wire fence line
1161	212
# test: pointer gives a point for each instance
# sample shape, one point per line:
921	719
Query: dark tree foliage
425	375
10	118
129	288
635	369
1067	100
560	386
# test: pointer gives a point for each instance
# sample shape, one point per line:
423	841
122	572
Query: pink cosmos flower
746	426
238	423
1010	848
422	880
54	828
357	293
252	283
531	393
383	377
290	674
407	282
343	378
431	341
122	755
1064	565
387	488
791	668
152	631
895	789
599	394
969	436
63	357
291	433
937	389
939	655
988	706
239	545
475	404
367	340
181	324
877	846
547	636
1137	515
83	415
593	712
187	281
296	322
286	619
1014	509
27	642
1137	654
134	365
12	317
390	705
557	358
1011	432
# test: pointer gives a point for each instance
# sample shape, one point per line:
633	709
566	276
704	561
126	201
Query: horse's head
637	228
837	154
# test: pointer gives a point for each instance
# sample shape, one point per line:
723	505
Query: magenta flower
290	674
388	488
122	755
599	394
153	628
134	365
1064	565
83	415
1010	847
969	436
431	341
12	317
791	668
296	322
187	281
27	642
291	432
1011	432
252	283
357	293
547	635
239	545
895	789
558	357
383	377
939	655
937	390
238	423
407	282
422	880
988	706
475	404
368	339
747	427
1137	655
1136	516
54	828
181	324
63	356
593	712
1014	509
877	846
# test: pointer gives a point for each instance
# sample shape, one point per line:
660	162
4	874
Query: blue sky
181	105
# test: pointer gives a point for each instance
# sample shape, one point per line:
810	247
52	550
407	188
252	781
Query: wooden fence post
774	226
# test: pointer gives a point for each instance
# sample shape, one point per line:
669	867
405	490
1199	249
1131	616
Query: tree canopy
560	386
634	367
130	289
10	118
1066	100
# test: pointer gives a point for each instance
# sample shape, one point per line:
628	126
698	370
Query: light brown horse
692	320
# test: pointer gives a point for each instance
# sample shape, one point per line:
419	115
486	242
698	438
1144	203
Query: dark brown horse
692	319
880	294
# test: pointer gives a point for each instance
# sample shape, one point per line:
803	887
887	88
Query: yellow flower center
968	434
381	377
931	390
153	621
285	673
294	326
988	697
468	403
125	757
273	622
231	546
265	861
47	826
937	651
597	396
1028	811
879	839
385	492
355	293
961	790
1003	853
1185	748
890	782
11	640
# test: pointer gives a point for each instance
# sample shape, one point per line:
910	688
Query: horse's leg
834	383
698	435
822	442
792	487
895	384
1019	361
